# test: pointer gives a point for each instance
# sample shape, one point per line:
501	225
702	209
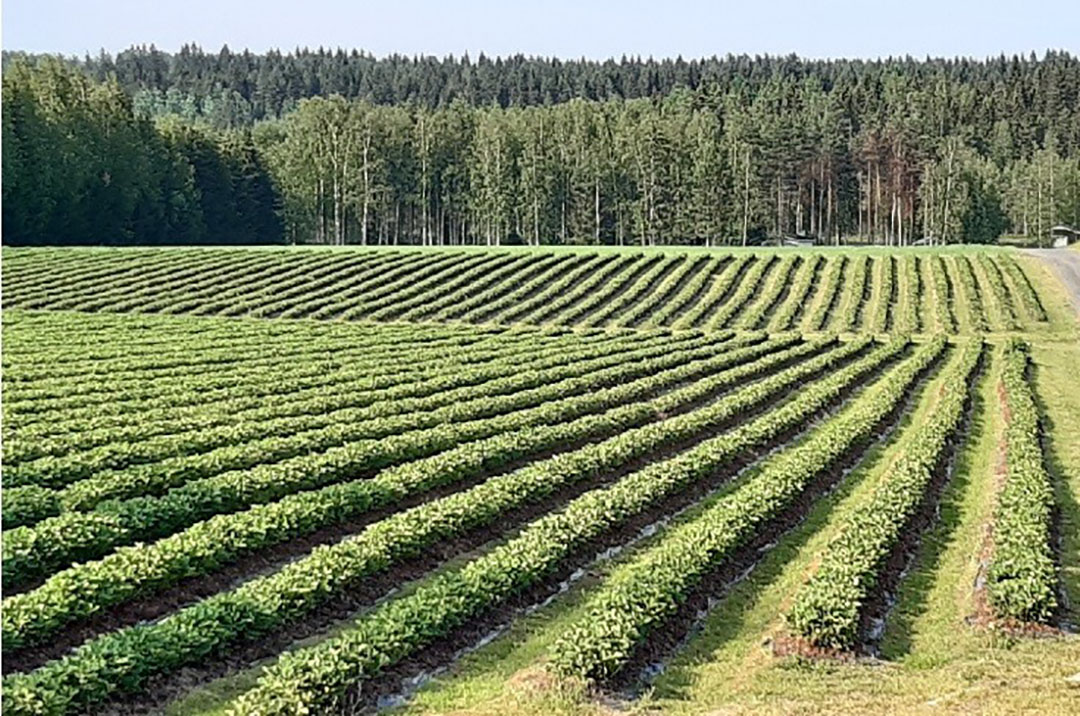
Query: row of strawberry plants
619	297
967	293
417	302
803	281
594	269
286	278
27	504
851	303
908	289
163	265
191	296
412	290
87	588
115	375
651	304
942	294
234	271
340	293
120	298
585	303
54	415
271	298
487	380
747	288
1021	288
45	283
1022	579
550	272
123	660
1001	310
429	270
828	609
827	293
720	288
695	288
35	272
198	349
651	588
308	296
588	291
65	337
451	302
775	285
314	677
877	317
57	541
179	410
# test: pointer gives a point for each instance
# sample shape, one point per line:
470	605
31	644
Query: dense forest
336	147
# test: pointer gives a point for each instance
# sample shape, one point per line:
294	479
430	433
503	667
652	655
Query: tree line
714	151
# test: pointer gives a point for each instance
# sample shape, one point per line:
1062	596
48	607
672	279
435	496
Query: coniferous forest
149	147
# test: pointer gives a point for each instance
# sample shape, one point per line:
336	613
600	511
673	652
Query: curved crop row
785	315
589	294
338	296
274	300
175	456
651	588
547	274
906	312
827	610
648	305
720	287
727	312
1021	288
281	388
1001	309
775	285
483	380
451	295
620	296
942	294
682	301
967	294
557	290
827	293
877	320
847	317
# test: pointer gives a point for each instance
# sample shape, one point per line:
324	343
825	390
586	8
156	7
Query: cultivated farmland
538	481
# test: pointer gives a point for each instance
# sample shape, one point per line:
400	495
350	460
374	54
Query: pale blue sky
564	28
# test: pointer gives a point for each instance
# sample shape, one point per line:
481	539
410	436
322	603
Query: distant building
1061	236
801	241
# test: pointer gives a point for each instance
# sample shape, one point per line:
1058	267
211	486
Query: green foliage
1022	580
827	609
653	586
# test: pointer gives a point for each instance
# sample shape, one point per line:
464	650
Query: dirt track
1066	264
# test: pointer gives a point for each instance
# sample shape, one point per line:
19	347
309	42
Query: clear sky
563	28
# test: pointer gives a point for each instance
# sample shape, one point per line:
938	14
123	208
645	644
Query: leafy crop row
1022	579
828	608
